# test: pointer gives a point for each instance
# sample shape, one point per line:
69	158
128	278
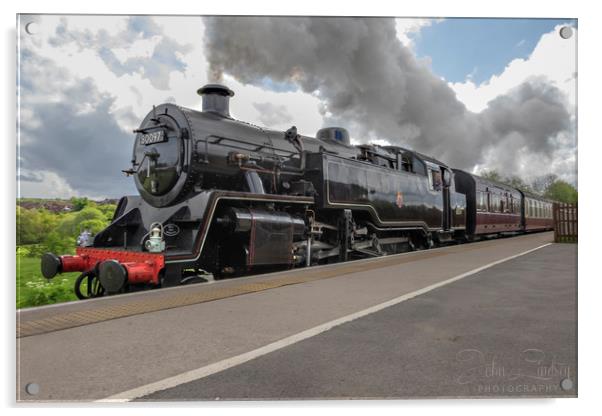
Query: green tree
57	243
79	203
561	191
108	210
27	232
93	225
71	224
34	224
541	183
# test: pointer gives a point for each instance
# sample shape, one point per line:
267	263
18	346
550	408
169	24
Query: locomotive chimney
216	99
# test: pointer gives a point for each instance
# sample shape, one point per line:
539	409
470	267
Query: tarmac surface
506	331
416	348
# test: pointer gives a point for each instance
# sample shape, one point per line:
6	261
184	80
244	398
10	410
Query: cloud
552	57
79	104
77	114
155	59
272	114
75	145
28	176
409	28
131	87
369	82
44	184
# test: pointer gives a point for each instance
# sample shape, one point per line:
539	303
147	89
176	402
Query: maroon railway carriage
537	213
491	207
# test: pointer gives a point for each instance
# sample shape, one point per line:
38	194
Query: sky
479	48
475	93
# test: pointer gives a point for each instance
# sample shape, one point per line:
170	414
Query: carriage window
493	202
481	201
533	209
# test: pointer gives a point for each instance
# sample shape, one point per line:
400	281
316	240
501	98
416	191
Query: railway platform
494	318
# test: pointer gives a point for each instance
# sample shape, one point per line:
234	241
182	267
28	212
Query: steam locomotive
223	198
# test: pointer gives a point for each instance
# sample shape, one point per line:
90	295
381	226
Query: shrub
57	243
43	292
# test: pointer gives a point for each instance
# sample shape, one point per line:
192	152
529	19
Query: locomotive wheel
88	286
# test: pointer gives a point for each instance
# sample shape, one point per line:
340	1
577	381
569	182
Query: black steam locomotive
224	198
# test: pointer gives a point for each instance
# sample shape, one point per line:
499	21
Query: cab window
435	180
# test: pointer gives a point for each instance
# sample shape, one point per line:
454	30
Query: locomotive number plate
152	138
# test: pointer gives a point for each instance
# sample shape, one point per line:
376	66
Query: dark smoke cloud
373	85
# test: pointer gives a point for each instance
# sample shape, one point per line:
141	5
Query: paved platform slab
507	331
99	360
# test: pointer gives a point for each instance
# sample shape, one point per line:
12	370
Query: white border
590	149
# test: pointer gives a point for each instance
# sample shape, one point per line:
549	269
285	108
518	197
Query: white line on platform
222	365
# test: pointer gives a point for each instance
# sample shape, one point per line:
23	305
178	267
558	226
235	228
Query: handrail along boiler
221	197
